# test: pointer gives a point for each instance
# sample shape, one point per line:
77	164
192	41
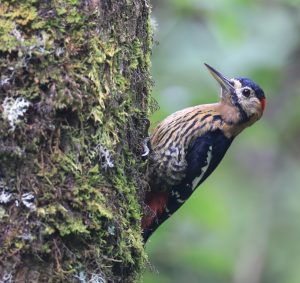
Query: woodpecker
189	144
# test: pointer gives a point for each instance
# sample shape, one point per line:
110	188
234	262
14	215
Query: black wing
203	156
205	153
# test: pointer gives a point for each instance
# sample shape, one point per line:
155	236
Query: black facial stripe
243	114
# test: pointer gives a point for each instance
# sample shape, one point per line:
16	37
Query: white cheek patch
250	106
203	169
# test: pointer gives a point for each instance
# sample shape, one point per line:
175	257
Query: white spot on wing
203	169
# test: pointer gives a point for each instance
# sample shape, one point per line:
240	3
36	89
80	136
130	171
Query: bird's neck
229	113
234	122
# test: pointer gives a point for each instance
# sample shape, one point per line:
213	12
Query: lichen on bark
74	93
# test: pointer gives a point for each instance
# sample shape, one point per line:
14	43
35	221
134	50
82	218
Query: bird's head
242	93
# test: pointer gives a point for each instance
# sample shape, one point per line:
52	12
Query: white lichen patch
26	237
4	81
104	157
27	199
6	278
95	278
81	277
5	197
17	34
111	230
14	110
59	51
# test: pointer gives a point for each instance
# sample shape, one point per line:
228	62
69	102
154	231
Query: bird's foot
146	147
146	141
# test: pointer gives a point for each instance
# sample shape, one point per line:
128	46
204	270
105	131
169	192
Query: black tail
146	234
170	209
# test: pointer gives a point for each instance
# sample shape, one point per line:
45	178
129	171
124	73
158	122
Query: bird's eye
246	92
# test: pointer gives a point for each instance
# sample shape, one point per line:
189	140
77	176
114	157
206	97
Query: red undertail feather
157	202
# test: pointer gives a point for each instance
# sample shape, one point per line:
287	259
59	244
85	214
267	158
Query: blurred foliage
242	225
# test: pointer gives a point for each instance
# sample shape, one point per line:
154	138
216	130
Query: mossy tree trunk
74	93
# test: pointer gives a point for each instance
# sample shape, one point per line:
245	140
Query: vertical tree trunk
74	91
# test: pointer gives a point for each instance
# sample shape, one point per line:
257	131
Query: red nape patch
263	103
157	202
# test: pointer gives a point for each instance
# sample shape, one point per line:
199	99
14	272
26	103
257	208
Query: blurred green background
243	224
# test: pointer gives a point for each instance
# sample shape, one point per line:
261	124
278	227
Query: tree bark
74	93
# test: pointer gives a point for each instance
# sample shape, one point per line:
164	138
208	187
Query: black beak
223	81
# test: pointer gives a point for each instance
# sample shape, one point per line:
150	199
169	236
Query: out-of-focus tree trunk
74	92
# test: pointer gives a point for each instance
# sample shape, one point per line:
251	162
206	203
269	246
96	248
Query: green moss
72	226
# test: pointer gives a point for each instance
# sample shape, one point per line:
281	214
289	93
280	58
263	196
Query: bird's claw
146	147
